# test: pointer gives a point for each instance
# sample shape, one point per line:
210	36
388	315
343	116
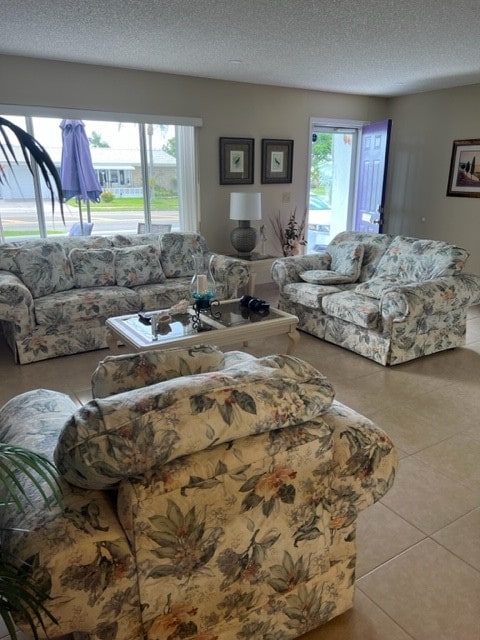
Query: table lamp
245	207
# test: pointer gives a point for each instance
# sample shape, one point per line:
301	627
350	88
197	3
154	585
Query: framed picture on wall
236	160
277	161
464	177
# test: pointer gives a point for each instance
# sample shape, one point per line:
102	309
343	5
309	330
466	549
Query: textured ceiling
372	47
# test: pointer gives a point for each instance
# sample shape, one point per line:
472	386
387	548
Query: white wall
424	128
227	109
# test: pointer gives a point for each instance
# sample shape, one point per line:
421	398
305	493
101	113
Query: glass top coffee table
234	324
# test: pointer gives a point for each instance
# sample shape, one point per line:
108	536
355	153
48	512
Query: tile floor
418	571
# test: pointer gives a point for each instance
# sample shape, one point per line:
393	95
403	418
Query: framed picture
236	160
464	177
277	161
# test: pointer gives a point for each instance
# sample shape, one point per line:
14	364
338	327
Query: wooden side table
259	267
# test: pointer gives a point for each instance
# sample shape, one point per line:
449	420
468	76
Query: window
146	171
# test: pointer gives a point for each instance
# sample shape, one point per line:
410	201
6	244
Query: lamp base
244	238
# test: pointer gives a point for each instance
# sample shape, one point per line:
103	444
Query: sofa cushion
308	295
352	307
93	267
116	374
179	251
375	245
44	268
416	260
322	276
137	265
347	259
67	307
132	433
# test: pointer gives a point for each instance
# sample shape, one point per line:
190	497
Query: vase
202	286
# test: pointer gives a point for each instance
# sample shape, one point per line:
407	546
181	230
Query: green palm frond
18	461
32	151
19	593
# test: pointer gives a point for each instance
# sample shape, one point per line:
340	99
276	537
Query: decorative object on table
203	290
263	239
180	308
257	305
160	324
277	161
245	207
292	235
236	160
79	179
464	176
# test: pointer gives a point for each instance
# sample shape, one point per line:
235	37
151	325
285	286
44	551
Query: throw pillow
178	251
323	276
129	434
138	265
44	268
347	259
376	287
93	267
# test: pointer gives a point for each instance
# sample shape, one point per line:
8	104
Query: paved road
22	216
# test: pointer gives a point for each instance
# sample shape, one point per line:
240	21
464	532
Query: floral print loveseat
56	294
207	496
388	298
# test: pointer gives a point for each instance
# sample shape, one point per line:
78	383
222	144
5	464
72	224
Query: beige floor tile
429	592
457	457
381	535
462	538
365	621
426	498
409	430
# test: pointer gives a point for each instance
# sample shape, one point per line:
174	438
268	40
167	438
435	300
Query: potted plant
19	594
292	236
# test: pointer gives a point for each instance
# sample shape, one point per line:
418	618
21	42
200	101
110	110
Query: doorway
348	165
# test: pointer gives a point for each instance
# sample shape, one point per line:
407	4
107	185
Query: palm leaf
32	150
18	460
19	594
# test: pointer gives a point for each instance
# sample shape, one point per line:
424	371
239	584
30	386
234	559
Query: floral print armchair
217	501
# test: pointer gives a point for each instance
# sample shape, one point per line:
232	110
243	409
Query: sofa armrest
286	270
16	303
231	272
430	297
364	463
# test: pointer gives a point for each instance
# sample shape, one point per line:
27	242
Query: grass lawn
134	204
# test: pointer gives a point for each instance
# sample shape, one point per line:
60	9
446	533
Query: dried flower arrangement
292	236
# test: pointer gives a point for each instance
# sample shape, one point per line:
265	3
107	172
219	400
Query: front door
372	177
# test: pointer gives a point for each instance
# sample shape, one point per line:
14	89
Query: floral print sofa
207	496
388	298
55	294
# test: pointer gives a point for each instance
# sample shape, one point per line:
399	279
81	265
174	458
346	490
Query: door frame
339	123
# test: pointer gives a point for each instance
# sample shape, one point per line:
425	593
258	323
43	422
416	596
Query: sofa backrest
416	260
130	434
375	245
178	251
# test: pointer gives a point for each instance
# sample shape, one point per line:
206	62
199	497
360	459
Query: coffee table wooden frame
277	323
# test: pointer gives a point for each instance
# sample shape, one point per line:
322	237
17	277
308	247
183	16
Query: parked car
319	218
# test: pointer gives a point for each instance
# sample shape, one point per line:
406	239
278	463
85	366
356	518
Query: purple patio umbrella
77	174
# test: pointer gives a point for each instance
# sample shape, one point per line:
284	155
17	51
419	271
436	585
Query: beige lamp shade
245	206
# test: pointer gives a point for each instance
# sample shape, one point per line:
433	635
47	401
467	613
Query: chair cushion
44	268
93	267
138	265
128	434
